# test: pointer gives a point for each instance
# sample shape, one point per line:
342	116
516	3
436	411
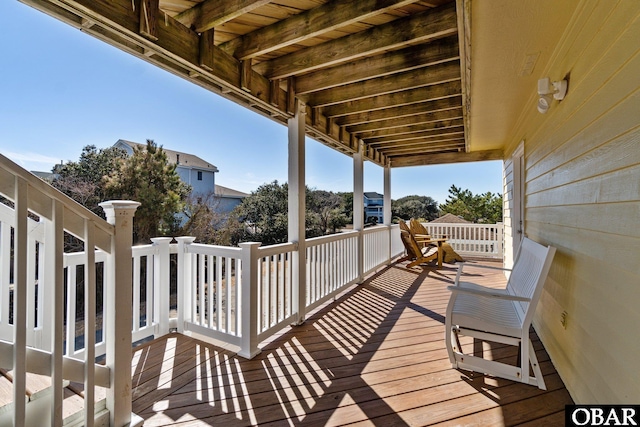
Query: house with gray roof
193	170
373	206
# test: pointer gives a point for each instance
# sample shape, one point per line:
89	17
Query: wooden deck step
39	387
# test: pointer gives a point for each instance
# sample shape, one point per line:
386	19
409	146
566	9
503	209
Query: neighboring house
373	205
227	199
45	176
450	218
193	170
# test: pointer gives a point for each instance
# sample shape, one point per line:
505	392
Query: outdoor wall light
549	91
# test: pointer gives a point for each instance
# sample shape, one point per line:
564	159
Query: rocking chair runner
500	315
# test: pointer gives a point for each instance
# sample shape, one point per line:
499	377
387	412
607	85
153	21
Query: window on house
199	175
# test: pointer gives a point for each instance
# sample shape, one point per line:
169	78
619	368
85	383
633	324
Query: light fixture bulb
544	102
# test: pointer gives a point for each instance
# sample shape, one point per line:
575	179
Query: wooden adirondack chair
500	315
415	252
421	234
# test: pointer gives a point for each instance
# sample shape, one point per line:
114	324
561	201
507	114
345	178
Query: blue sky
61	90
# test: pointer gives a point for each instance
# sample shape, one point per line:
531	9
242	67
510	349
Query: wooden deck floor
374	357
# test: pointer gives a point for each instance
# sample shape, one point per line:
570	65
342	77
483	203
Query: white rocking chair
500	315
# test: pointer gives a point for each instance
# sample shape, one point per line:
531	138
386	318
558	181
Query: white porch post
185	281
358	206
249	298
20	303
297	207
119	312
386	214
161	276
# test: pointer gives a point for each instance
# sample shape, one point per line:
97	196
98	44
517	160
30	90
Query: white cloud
32	161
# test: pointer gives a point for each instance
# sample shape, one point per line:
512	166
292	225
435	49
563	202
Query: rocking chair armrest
488	267
463	264
487	293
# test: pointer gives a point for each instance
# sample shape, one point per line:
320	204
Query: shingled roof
176	157
450	219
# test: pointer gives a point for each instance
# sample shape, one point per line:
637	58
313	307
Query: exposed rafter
211	13
427	26
311	23
384	74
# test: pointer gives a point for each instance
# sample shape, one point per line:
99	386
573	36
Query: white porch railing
483	240
33	280
57	311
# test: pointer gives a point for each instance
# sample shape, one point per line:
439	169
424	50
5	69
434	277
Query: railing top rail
225	251
314	241
264	251
143	250
41	197
375	228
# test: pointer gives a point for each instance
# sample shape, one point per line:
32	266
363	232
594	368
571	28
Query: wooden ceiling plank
407	59
408	129
441	73
429	25
446	146
416	148
402	111
310	23
411	138
404	121
396	99
437	159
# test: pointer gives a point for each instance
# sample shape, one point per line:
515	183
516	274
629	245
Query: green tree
204	221
263	216
418	207
347	205
84	181
148	177
481	208
324	209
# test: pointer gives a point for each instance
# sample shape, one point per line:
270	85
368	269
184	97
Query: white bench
500	315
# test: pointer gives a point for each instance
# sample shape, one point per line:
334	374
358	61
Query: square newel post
386	206
185	281
297	209
161	276
358	207
119	311
249	300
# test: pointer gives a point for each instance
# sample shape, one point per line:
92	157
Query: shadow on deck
376	356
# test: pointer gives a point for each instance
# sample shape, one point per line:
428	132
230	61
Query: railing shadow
343	365
309	376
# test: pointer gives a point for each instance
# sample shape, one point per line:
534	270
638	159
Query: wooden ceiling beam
409	129
413	138
441	73
406	59
438	159
310	23
453	144
395	99
429	25
211	13
402	111
406	121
